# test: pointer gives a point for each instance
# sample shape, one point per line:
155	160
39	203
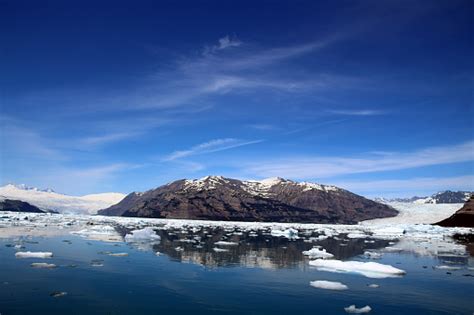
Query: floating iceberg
99	232
353	309
57	294
118	254
368	269
142	235
317	253
328	285
372	255
42	265
34	255
218	250
225	243
444	267
288	233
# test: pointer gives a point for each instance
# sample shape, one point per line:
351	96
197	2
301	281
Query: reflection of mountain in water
252	249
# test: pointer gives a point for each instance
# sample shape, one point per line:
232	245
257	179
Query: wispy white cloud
356	112
219	70
209	147
323	167
108	138
22	142
264	127
223	43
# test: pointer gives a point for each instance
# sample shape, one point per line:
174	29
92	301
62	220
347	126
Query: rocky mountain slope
50	201
17	206
464	217
270	200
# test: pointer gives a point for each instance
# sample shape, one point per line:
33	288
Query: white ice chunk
353	309
225	243
99	232
288	233
444	267
142	235
368	269
42	265
34	255
372	255
328	285
118	254
317	253
218	250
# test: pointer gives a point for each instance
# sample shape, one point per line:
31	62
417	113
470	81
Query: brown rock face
464	217
273	200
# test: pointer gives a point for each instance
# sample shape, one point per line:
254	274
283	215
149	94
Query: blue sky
373	96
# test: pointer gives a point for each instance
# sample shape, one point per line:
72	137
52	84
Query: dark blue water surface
262	275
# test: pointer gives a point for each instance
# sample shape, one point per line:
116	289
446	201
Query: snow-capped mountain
446	197
273	199
48	200
441	197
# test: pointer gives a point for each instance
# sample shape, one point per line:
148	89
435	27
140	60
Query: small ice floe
42	265
144	234
178	249
372	255
328	285
373	285
357	235
157	253
99	232
354	310
219	250
118	254
315	252
97	263
225	243
33	254
388	232
367	269
57	294
444	267
288	233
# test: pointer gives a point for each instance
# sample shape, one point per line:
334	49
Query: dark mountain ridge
270	200
18	206
464	217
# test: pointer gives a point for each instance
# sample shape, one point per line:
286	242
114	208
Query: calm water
262	275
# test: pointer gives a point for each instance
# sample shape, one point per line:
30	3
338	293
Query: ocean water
262	274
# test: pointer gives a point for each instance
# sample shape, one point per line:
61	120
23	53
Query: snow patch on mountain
254	187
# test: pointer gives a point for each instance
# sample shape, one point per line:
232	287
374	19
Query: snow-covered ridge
25	187
254	187
441	197
49	200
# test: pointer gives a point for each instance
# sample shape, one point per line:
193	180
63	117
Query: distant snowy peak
263	187
48	200
25	187
446	197
441	197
